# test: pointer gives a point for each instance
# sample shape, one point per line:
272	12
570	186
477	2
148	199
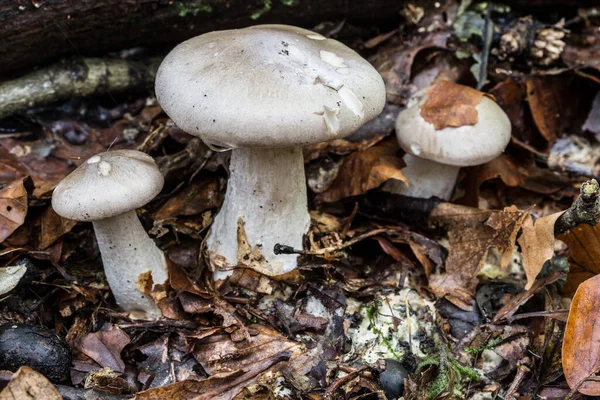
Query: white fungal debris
332	120
385	330
416	149
94	160
315	36
351	101
332	59
104	168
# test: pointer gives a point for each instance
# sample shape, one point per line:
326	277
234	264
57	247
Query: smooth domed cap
106	185
463	127
268	86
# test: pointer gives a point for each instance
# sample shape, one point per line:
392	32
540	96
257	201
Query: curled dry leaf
27	384
13	207
366	170
537	244
580	351
451	105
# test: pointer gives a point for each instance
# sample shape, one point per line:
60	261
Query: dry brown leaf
507	224
584	255
189	389
580	351
510	95
198	197
104	347
471	233
220	386
537	244
251	280
27	384
52	227
520	172
250	257
13	207
366	170
546	98
395	63
451	105
219	353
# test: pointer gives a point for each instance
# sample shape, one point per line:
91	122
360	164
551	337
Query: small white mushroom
106	190
434	157
273	89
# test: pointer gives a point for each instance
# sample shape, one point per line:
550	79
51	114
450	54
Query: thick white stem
426	178
267	190
127	252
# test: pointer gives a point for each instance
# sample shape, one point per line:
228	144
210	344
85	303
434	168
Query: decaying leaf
10	277
13	207
250	257
198	197
219	353
451	105
395	64
472	233
580	351
220	386
584	255
546	97
106	380
104	347
27	384
537	244
52	227
366	170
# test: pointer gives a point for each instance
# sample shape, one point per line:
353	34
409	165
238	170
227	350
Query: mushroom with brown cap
265	91
446	127
106	189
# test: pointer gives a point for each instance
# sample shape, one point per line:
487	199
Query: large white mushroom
106	189
474	130
265	91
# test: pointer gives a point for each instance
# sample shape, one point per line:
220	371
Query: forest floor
467	299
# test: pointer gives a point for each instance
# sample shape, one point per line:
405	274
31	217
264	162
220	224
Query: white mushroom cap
461	146
108	184
268	86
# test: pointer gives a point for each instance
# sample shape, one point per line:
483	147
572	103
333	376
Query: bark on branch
59	28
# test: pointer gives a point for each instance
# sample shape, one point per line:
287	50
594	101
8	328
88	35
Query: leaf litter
462	293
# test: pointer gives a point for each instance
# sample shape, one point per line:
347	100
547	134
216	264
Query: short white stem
267	190
426	178
127	252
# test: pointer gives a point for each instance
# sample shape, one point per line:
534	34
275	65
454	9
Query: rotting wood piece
59	28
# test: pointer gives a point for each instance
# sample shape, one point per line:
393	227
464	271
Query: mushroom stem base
426	179
266	200
127	252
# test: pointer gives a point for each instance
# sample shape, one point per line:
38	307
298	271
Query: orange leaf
584	255
537	244
580	351
366	170
451	105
